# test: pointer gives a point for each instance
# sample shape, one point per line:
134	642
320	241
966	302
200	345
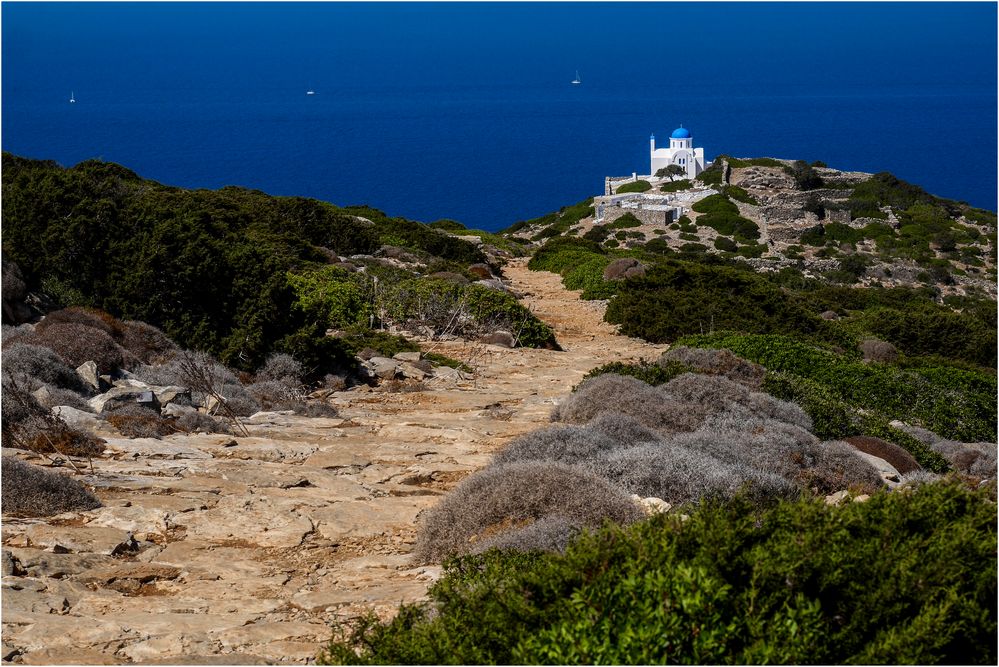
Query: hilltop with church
781	213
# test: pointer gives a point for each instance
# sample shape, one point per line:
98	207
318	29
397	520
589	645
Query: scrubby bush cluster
691	439
905	578
29	490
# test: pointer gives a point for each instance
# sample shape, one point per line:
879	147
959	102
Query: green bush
714	174
681	298
904	578
719	213
739	194
626	221
634	186
332	297
934	331
726	244
676	186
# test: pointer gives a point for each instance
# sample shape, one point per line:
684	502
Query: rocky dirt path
212	549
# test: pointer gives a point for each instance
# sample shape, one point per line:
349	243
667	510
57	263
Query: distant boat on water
310	92
72	98
577	80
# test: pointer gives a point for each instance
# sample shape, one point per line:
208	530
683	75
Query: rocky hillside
843	227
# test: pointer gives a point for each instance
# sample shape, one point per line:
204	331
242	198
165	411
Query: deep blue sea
465	111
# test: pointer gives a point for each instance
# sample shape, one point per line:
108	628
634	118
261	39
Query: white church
681	152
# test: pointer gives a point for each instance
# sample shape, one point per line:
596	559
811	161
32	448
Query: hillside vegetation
238	273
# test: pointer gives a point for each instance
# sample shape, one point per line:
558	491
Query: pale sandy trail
251	551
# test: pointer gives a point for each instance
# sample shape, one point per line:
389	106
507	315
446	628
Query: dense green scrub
233	272
905	578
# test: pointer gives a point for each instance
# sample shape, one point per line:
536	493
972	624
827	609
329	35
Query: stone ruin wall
659	218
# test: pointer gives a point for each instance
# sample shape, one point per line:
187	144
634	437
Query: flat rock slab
81	539
40	563
260	449
145	524
254	520
151	448
354	519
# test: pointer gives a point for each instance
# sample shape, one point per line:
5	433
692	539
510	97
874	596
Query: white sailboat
72	98
310	92
577	80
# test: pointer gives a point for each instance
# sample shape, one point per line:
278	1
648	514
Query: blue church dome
680	133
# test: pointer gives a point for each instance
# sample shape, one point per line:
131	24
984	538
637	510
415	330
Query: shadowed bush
29	490
622	268
9	334
551	533
900	459
511	496
147	343
78	343
239	399
135	421
717	362
561	444
27	424
878	351
86	317
198	422
41	364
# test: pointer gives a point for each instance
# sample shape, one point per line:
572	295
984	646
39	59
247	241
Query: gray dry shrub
917	477
29	490
718	362
837	467
622	428
41	364
611	392
562	444
319	409
281	368
551	533
198	422
878	351
764	444
507	497
59	396
78	343
716	393
9	334
274	395
18	405
783	449
674	473
148	343
984	466
971	458
239	400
